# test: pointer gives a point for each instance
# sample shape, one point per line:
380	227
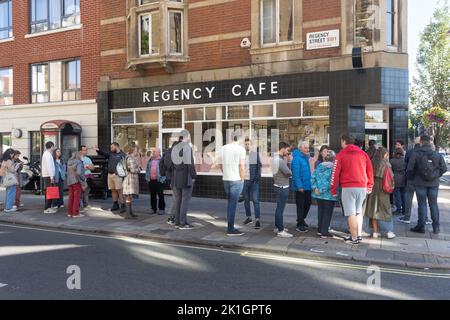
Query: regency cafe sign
205	93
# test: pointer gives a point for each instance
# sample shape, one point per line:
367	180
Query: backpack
121	168
166	164
388	181
428	167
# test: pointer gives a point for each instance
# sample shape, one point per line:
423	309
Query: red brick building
279	70
49	69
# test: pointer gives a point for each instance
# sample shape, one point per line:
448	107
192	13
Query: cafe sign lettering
322	39
208	92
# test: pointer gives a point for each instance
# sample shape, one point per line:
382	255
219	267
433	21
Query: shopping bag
52	193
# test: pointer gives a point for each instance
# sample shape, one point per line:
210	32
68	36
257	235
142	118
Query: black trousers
303	201
325	210
156	191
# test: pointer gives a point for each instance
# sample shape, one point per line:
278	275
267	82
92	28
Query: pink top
154	169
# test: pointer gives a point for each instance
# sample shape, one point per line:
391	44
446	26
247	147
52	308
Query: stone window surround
134	11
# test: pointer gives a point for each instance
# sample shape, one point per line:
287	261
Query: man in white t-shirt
232	164
48	174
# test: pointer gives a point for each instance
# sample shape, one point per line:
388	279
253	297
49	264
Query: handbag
10	180
388	181
52	193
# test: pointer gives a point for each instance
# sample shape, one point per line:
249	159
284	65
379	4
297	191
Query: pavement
208	216
56	264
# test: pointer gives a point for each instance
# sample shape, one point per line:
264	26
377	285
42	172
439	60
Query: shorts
353	200
114	182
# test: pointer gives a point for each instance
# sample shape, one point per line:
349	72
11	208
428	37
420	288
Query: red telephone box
65	134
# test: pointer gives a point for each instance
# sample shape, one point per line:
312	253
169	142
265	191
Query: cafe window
364	23
5	19
35	146
6	86
262	111
289	109
172	119
277	21
54	14
147	116
316	108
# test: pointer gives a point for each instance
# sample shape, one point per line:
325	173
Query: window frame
62	16
277	25
150	36
64	89
47	64
390	18
9	27
169	52
9	94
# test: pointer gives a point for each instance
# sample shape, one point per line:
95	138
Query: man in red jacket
353	173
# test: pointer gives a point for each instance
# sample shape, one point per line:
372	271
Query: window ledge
7	40
155	62
278	48
49	32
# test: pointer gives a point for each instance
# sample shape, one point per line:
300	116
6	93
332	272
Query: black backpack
165	165
428	165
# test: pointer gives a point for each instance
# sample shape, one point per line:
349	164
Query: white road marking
3	285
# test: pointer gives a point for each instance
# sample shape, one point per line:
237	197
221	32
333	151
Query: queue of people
360	182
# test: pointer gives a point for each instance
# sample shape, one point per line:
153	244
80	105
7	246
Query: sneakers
428	222
276	230
50	211
247	221
186	227
235	233
390	235
257	224
404	220
352	241
11	210
326	236
171	221
284	234
302	229
417	229
79	216
376	235
365	234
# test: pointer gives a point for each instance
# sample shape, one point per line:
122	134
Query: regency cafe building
314	89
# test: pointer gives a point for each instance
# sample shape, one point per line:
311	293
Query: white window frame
168	33
150	36
277	25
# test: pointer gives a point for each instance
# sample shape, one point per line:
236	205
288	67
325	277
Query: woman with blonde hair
130	185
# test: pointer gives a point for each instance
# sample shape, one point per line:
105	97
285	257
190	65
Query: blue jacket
321	179
161	179
60	171
301	171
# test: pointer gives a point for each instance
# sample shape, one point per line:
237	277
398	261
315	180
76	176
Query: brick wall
83	43
321	9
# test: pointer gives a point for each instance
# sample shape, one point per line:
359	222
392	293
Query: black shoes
128	211
235	233
417	229
257	224
123	209
247	221
115	207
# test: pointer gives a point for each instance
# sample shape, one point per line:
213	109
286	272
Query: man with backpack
426	167
116	174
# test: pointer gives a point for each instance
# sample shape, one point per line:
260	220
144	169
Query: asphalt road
34	263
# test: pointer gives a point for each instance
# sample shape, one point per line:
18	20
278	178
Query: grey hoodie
75	172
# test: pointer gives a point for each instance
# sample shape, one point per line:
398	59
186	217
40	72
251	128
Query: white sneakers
284	234
276	230
13	209
50	211
376	235
391	235
365	234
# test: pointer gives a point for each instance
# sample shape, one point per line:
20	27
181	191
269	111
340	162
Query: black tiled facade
349	92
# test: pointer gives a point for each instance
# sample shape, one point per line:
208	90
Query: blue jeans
233	190
400	199
431	194
251	193
282	196
10	197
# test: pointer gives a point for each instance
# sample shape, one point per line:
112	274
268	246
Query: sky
419	14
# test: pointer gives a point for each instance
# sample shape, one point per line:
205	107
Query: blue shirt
87	162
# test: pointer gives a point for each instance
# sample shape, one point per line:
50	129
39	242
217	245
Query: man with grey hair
301	183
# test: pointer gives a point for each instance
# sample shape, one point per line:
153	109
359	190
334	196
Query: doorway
379	135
